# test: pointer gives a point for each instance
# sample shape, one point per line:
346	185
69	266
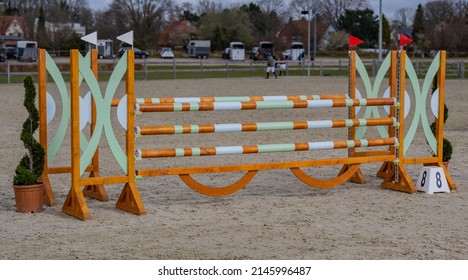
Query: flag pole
380	31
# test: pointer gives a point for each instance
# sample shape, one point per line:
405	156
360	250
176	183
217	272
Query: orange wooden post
356	176
352	95
441	116
397	177
393	93
129	199
75	204
440	120
96	191
49	197
382	173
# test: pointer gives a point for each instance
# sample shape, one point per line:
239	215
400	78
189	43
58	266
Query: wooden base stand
404	183
75	205
130	200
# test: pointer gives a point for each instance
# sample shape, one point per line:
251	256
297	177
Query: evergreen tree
418	26
10	10
265	24
256	17
194	19
362	24
31	165
386	37
41	35
224	27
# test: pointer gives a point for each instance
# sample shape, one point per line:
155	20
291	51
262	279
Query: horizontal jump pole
256	105
263	126
266	148
262	166
147	100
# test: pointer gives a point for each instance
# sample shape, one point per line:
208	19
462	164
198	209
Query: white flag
90	38
127	38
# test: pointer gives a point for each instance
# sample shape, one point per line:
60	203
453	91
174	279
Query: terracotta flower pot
446	164
30	198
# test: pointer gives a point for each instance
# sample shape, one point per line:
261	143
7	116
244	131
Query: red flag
404	40
354	41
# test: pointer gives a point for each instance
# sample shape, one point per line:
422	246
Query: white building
53	27
325	40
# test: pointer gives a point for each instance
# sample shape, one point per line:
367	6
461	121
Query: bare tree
208	7
296	6
144	17
268	6
185	6
447	25
337	41
333	9
76	9
461	8
438	11
404	16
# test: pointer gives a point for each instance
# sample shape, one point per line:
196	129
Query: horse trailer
236	51
199	48
297	51
105	48
27	51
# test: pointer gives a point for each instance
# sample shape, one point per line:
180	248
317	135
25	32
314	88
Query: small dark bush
31	165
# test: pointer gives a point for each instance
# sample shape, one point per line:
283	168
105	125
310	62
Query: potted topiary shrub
447	148
29	192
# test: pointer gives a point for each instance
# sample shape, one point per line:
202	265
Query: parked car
226	53
138	53
287	54
254	52
167	53
9	52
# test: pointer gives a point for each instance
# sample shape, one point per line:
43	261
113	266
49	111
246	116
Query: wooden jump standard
45	65
393	158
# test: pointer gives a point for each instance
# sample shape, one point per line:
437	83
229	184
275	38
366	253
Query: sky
389	7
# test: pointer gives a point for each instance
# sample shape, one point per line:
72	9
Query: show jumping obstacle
85	157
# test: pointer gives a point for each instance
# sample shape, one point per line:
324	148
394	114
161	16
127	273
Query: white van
236	51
